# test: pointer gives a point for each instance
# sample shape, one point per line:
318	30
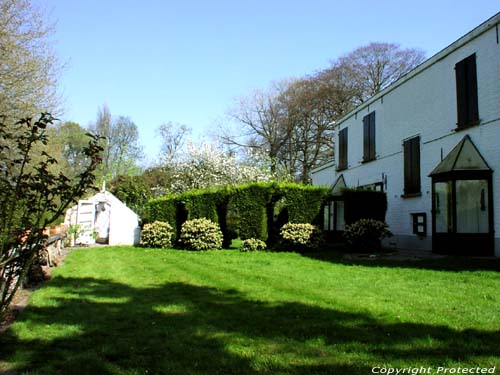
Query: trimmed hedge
246	211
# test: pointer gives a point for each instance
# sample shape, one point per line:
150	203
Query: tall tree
293	121
173	136
29	68
67	142
122	150
373	67
260	123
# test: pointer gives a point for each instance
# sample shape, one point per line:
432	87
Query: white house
105	219
431	141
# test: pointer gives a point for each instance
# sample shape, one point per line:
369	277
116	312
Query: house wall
424	104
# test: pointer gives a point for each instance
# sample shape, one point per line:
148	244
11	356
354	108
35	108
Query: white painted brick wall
425	105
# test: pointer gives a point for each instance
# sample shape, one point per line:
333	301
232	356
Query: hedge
246	211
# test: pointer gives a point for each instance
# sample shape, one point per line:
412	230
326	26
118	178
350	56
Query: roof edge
474	33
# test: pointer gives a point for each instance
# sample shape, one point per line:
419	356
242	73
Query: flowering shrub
157	234
367	233
301	236
200	234
206	166
253	244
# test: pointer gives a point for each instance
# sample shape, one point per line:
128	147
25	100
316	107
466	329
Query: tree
373	67
32	196
307	112
133	191
206	166
67	142
260	123
120	143
29	68
173	137
293	121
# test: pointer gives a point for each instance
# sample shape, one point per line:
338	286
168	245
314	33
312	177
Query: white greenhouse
104	219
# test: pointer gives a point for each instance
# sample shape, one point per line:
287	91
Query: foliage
133	191
292	120
364	204
253	244
200	234
68	140
29	67
366	234
245	211
32	196
301	236
249	205
120	142
206	166
157	234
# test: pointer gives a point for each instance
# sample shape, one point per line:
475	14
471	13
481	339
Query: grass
138	311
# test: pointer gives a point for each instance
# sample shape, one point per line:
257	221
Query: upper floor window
466	79
369	137
411	151
342	164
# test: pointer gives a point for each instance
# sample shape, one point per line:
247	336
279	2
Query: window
376	186
420	224
369	137
411	149
342	149
466	80
333	219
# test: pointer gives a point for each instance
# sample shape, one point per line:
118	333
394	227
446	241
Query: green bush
253	244
366	234
301	236
157	234
200	234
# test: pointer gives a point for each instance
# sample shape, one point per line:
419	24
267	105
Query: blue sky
187	60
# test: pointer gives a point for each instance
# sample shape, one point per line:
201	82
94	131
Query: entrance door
462	217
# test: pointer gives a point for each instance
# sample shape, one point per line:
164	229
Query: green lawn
135	311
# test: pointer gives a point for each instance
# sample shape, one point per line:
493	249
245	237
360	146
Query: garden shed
104	219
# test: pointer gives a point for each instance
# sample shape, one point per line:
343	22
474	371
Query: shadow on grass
179	328
445	263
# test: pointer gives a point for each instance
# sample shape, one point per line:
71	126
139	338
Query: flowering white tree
206	165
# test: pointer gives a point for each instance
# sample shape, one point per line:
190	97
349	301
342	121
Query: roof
479	30
464	157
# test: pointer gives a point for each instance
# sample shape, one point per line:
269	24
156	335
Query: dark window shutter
342	149
372	135
411	151
472	110
461	81
366	138
466	82
369	137
415	152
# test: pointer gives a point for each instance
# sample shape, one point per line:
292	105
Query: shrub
301	236
200	234
366	234
253	244
157	234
